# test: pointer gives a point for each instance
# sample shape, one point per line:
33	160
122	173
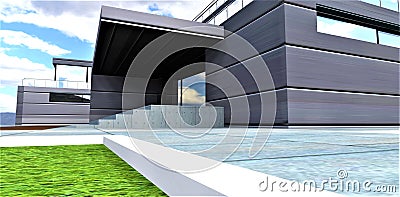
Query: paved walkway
295	154
364	154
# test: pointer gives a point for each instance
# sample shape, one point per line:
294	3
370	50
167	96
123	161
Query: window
388	4
191	90
373	2
69	97
357	32
389	39
347	30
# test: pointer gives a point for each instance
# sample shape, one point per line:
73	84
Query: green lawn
84	170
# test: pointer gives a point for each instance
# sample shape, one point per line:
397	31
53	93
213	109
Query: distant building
44	101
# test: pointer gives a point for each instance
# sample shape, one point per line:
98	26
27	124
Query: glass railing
388	4
218	11
48	83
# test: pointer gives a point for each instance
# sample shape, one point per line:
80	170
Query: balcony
48	83
218	11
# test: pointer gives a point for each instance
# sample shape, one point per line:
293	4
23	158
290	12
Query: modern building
275	62
59	102
321	74
124	37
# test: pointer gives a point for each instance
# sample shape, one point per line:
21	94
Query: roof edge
141	18
72	62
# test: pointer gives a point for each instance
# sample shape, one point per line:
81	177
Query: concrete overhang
122	34
145	20
71	62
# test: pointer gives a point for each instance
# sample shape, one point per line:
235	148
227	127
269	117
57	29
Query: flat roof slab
152	20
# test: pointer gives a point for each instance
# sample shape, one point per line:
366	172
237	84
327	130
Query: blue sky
33	32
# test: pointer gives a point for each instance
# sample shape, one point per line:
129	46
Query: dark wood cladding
333	71
247	15
335	108
106	98
246	73
320	79
264	34
255	109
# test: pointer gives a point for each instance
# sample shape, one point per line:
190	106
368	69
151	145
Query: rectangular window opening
349	25
69	97
191	90
389	39
344	29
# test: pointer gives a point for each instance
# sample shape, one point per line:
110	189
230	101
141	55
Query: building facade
59	102
321	76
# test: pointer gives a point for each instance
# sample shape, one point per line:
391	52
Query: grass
83	170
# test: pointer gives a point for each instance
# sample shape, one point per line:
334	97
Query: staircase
165	116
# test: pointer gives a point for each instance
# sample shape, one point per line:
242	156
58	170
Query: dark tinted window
69	97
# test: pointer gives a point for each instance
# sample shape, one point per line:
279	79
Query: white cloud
82	27
13	69
8	103
191	96
2	50
80	19
20	38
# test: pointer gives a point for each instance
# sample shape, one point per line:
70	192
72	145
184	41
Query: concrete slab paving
297	154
